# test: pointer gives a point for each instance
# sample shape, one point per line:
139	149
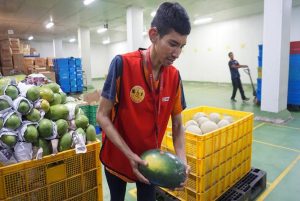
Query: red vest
136	113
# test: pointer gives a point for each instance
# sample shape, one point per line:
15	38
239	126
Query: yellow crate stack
64	176
217	159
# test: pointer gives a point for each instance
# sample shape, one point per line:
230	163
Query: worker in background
235	77
140	93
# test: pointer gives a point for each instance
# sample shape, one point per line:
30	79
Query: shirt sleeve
110	89
180	103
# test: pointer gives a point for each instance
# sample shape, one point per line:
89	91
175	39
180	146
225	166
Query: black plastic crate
161	195
248	188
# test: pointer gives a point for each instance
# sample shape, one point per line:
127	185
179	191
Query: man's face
169	47
231	56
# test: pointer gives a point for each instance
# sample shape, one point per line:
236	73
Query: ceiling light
203	20
49	25
72	40
30	38
106	41
87	2
153	13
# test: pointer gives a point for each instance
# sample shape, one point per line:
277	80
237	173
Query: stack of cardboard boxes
12	60
11	56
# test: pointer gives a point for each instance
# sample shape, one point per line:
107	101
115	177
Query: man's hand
183	184
135	161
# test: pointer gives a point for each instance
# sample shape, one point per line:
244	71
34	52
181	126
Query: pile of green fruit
46	116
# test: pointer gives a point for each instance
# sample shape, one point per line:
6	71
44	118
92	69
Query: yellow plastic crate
201	146
217	159
64	176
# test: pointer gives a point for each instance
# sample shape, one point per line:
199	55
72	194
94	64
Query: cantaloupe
215	117
208	126
201	120
228	118
199	114
223	123
191	122
194	129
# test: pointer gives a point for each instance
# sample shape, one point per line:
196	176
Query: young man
235	77
140	93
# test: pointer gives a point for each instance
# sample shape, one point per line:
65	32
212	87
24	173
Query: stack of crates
217	159
69	74
79	74
259	72
64	176
91	112
61	68
294	74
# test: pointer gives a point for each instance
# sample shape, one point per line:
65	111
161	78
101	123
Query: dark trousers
237	84
117	188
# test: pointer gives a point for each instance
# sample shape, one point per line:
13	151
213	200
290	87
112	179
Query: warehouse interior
39	38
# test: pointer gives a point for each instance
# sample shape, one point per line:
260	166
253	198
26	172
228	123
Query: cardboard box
7	62
18	60
49	75
40	62
28	61
6	71
50	61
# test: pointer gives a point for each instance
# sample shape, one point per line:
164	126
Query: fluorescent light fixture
102	30
203	20
106	41
153	13
49	25
72	40
87	2
30	38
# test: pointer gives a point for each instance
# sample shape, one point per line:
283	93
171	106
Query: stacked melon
39	115
203	123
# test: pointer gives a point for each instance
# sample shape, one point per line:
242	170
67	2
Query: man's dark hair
171	16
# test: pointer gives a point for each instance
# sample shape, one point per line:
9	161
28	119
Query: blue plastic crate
61	62
80	88
260	50
259	61
72	69
258	86
98	129
79	83
79	68
65	89
71	61
73	89
78	61
72	77
258	95
73	82
294	98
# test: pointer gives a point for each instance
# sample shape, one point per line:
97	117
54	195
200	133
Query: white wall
205	54
44	48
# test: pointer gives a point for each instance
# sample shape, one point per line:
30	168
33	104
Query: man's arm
103	118
178	137
237	65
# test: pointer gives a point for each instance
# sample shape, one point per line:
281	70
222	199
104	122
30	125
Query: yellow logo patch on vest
137	94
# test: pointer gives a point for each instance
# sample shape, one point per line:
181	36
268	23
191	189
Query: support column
276	43
134	21
57	48
84	45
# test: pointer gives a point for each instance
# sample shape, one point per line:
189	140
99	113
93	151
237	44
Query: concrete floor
276	148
